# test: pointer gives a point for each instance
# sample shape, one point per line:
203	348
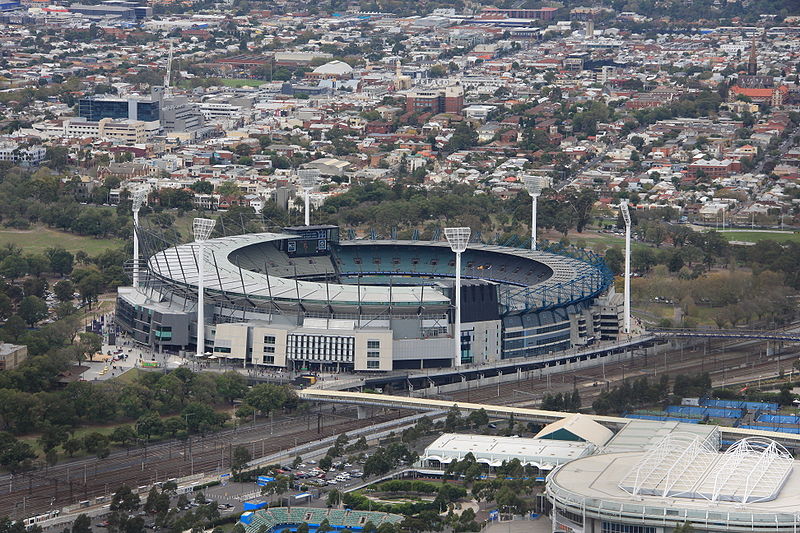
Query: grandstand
302	298
277	518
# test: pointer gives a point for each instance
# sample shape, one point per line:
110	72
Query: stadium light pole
138	199
458	239
626	216
201	227
534	185
308	179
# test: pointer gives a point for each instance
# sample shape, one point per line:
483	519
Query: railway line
728	361
38	491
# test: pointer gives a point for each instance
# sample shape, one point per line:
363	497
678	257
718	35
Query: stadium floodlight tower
308	179
138	200
626	216
458	239
534	186
201	227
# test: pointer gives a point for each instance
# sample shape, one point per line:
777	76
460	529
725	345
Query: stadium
305	298
752	486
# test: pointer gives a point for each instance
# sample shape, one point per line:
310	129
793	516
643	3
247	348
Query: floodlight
534	186
457	238
201	228
626	216
137	200
308	177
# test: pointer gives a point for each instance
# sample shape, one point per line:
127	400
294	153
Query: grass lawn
242	83
41	238
756	236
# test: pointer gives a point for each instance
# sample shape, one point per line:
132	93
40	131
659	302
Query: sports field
757	236
40	238
242	82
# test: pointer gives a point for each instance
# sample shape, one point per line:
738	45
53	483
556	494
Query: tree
90	286
241	456
13	267
123	435
32	309
72	446
334	498
6	306
64	290
149	425
14	327
82	524
202	187
90	343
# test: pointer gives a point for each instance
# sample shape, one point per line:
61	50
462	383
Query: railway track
35	492
726	362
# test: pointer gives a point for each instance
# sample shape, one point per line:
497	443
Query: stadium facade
306	299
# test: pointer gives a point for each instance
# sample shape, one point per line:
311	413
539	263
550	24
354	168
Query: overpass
791	441
780	336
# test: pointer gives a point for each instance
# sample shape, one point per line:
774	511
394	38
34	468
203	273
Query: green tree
241	456
32	309
64	290
82	524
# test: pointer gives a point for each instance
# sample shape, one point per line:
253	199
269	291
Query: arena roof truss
686	466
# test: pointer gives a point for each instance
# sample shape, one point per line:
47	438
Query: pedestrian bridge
505	411
783	336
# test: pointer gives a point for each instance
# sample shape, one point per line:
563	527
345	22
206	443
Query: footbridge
791	441
762	335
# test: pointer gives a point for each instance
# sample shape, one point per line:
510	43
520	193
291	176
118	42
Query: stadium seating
437	261
278	518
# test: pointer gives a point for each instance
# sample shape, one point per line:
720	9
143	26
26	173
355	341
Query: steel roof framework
685	466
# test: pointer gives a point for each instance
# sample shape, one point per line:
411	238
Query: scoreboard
310	240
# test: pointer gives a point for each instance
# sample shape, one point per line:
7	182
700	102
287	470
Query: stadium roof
570	279
180	264
685	466
751	487
487	449
581	426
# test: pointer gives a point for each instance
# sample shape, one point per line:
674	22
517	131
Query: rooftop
544	453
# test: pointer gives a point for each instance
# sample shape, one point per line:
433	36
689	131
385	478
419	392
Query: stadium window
220	349
269	349
373	345
373	355
269	339
373	364
269	359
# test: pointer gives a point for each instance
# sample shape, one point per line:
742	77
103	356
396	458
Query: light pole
626	216
308	179
458	239
138	199
534	186
202	230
